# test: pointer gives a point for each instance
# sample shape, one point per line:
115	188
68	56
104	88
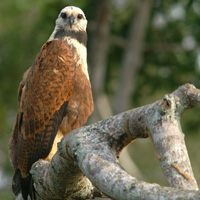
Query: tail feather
16	184
23	185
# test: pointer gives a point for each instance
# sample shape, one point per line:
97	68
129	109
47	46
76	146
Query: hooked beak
71	20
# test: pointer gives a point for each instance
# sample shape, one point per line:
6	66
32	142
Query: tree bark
99	47
93	151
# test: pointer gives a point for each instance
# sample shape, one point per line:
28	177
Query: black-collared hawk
54	97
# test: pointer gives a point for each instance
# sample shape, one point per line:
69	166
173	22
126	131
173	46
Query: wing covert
43	98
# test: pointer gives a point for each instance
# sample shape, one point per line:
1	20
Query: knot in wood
165	104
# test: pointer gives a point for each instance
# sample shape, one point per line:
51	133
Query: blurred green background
157	40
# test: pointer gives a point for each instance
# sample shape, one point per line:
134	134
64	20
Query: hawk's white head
71	18
71	28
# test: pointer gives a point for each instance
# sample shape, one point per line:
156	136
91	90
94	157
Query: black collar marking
80	36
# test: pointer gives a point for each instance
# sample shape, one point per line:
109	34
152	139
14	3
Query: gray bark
93	151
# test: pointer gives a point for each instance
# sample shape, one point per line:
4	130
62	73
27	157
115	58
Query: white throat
81	57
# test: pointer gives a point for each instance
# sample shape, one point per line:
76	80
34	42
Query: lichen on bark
89	154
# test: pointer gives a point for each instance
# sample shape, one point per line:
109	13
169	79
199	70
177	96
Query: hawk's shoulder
43	96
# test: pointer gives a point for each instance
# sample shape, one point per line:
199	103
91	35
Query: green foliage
26	25
6	194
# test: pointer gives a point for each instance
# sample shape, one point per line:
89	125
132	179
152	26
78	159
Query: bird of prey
54	97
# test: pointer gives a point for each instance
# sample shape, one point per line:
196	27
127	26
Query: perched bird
54	98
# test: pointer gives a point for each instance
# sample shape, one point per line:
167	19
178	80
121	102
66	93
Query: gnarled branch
93	151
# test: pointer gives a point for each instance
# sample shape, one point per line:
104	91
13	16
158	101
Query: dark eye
80	16
63	15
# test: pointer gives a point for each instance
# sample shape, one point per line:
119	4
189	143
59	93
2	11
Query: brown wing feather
42	101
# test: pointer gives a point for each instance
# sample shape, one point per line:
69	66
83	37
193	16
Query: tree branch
94	150
164	126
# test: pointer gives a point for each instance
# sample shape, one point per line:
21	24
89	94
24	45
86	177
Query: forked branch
93	151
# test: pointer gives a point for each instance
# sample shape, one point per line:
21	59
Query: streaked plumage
54	97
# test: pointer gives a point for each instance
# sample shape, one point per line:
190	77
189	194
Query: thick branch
164	126
94	149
